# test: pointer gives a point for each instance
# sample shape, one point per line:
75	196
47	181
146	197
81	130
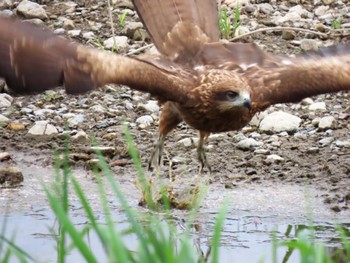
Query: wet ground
312	180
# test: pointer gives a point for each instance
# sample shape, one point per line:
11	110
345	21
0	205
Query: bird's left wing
33	60
293	79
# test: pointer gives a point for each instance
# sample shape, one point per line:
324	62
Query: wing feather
179	27
293	79
33	60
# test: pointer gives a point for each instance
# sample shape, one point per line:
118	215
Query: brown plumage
212	86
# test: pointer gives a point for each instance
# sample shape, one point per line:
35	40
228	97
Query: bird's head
228	91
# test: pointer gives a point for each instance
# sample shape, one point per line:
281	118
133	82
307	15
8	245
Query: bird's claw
156	157
202	157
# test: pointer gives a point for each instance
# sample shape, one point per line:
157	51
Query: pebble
121	44
150	106
5	100
30	9
42	128
318	106
328	122
280	121
10	176
3	120
248	144
144	121
274	158
81	137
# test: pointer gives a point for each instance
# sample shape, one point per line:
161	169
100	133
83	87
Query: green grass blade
219	222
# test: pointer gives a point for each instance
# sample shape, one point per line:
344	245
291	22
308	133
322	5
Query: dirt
306	162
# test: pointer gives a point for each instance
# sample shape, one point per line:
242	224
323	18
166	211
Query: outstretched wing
34	60
178	28
292	79
281	79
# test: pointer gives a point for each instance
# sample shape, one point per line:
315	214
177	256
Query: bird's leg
156	155
169	119
203	137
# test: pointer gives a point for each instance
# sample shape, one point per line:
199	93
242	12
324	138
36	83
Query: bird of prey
212	86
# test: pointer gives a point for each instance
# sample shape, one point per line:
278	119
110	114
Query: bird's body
210	85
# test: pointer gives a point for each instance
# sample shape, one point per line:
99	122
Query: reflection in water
244	239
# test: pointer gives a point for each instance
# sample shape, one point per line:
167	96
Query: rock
10	176
321	10
81	137
6	12
31	10
5	100
89	35
131	27
274	158
326	141
280	121
42	128
74	33
98	108
342	144
67	23
5	4
4	156
321	106
307	101
121	43
144	121
3	120
309	44
328	122
328	2
74	121
248	144
150	106
288	34
16	126
257	118
187	142
266	8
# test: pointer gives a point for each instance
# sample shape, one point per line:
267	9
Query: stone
3	120
81	137
321	106
10	176
75	120
42	128
328	122
187	142
5	100
288	34
30	9
5	4
74	33
120	45
309	44
274	158
144	121
326	141
151	106
248	144
279	121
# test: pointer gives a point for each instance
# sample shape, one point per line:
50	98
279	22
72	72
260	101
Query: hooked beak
247	103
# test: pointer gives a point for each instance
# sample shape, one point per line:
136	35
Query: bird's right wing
33	60
179	27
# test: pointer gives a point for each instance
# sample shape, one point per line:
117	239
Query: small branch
139	50
111	21
278	29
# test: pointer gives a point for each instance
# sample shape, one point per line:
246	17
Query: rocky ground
306	143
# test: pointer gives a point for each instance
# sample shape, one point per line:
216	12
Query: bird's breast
214	120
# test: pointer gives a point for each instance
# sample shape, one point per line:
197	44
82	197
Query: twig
279	28
111	21
139	50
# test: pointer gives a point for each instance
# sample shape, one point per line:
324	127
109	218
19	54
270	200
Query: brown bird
212	86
